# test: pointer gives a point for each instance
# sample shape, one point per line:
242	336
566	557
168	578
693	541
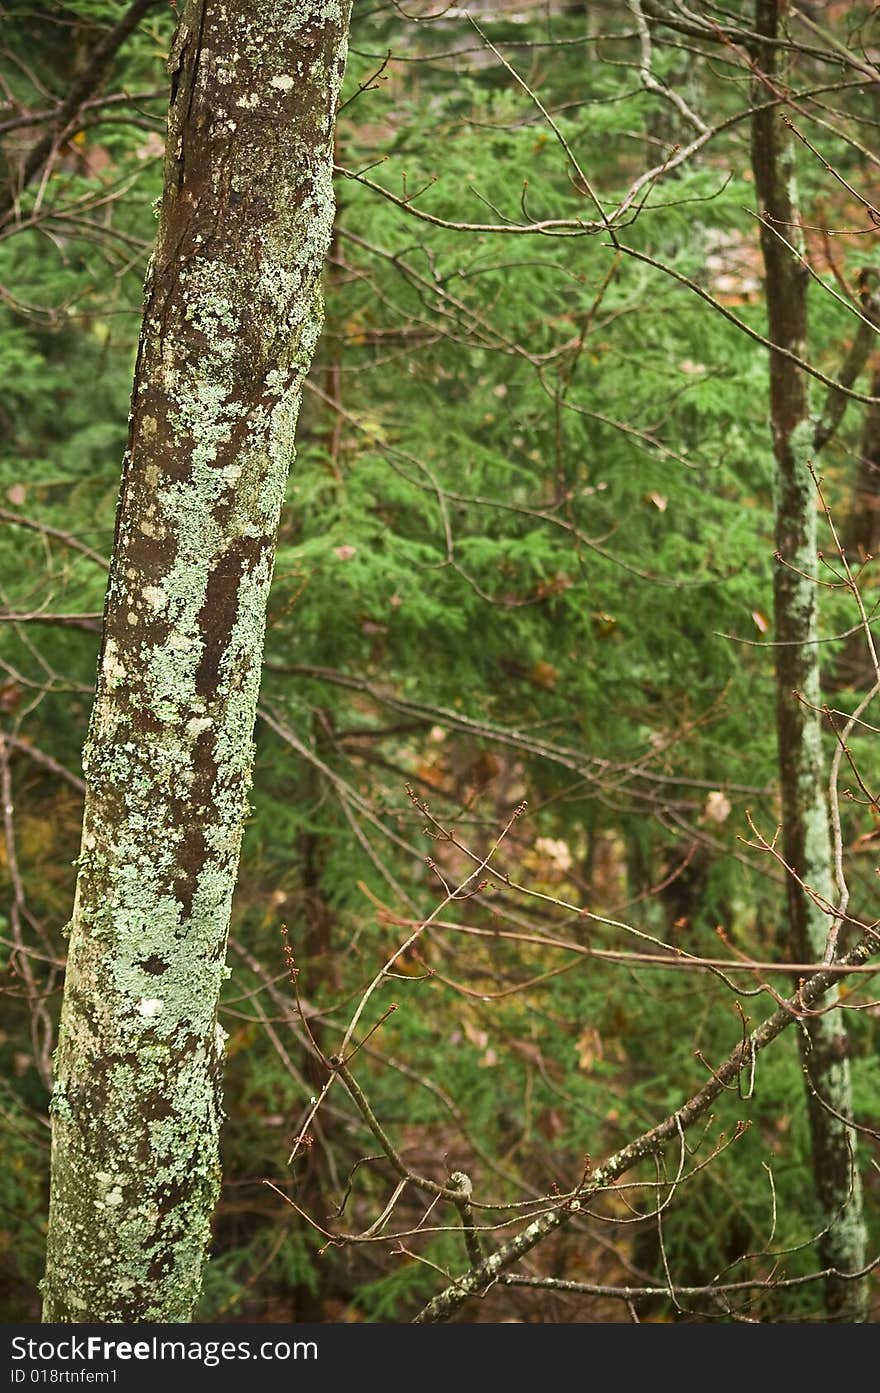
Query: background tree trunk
806	842
860	538
232	315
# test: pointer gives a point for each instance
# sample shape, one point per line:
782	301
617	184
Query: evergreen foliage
527	553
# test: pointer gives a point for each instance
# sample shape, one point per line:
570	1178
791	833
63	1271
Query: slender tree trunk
860	533
806	842
232	315
860	537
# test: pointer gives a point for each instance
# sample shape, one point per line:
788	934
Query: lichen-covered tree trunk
806	842
232	315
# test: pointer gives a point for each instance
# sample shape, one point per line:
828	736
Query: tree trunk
806	842
860	538
233	311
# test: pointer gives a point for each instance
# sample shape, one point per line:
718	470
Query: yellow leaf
589	1047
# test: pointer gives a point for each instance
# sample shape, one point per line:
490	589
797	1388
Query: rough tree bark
232	315
806	841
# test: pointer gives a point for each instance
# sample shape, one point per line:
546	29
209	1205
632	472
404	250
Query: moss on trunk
232	315
805	834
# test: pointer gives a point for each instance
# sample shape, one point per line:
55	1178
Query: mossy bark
806	841
232	314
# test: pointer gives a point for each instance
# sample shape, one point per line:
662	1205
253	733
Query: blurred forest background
527	554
